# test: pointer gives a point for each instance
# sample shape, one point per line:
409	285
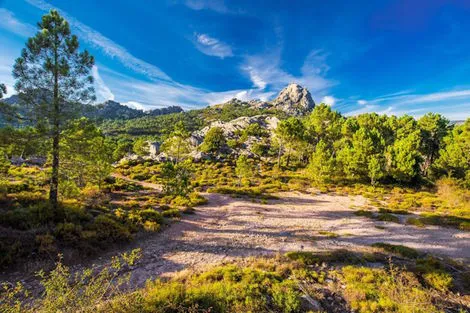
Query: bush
172	213
151	215
398	249
415	221
108	229
68	232
387	217
375	290
364	213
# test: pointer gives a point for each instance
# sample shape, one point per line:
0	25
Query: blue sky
394	57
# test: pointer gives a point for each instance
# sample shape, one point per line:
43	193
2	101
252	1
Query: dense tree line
372	147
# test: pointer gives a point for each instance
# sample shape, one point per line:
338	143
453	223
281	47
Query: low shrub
151	215
374	290
107	229
365	213
387	217
398	249
172	213
415	221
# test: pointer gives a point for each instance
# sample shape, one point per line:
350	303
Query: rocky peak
295	100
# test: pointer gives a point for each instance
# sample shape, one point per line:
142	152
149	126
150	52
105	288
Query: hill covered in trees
108	110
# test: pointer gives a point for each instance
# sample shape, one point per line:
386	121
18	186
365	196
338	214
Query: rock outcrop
231	128
294	100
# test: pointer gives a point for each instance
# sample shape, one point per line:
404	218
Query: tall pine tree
53	79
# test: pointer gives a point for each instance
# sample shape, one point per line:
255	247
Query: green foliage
176	179
290	133
434	128
321	166
214	141
244	168
52	79
177	145
141	147
398	249
66	292
89	154
4	163
172	213
374	290
455	157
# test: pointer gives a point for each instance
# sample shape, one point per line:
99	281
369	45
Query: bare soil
227	229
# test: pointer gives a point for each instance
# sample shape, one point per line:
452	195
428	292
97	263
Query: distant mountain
109	110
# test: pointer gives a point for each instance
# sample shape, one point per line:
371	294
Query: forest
76	189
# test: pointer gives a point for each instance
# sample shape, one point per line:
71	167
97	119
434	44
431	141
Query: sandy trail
229	228
226	229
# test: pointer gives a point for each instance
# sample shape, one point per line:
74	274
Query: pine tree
53	79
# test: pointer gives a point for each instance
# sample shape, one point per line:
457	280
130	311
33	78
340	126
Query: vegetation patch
398	249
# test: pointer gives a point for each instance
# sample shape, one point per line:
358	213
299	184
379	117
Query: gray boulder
294	100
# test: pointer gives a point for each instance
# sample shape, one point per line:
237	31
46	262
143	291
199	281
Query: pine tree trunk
288	157
279	157
53	193
54	188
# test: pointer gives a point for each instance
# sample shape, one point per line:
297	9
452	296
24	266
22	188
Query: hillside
109	110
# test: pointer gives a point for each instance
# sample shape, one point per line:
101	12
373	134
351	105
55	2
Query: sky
390	57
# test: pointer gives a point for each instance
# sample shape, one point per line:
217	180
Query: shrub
415	221
375	290
365	213
151	215
286	297
68	232
108	229
46	244
172	213
439	280
151	226
398	249
387	217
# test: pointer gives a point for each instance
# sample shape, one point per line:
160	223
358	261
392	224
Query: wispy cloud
106	45
214	5
9	22
454	104
102	90
265	72
213	46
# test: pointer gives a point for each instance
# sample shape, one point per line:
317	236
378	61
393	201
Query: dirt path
138	182
226	229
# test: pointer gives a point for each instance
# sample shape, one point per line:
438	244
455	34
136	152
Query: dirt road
227	228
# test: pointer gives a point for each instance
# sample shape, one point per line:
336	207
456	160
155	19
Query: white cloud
9	22
152	95
330	100
361	102
265	71
103	92
212	46
435	97
135	105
